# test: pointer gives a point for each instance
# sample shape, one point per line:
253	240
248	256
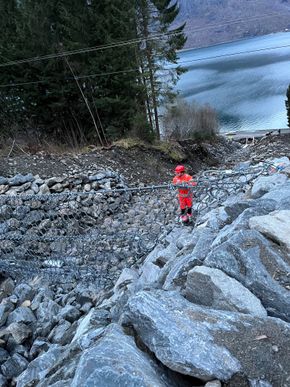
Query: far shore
254	134
230	41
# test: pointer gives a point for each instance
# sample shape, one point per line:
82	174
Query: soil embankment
139	164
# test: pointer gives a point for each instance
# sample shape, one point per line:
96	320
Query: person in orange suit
184	194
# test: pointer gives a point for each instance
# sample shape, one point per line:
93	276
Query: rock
13	299
126	279
26	303
260	383
184	240
39	345
4	312
286	171
44	189
86	307
23	187
35	187
85	294
215	289
3	189
24	292
20	212
280	161
69	313
3	381
149	275
203	243
61	333
215	219
47	310
14	366
206	343
54	180
7	287
175	271
97	177
4	355
265	184
4	228
275	226
94	319
57	188
19	331
21	179
3	180
250	259
279	194
89	338
21	314
235	209
164	255
40	367
174	274
116	361
196	356
262	207
213	383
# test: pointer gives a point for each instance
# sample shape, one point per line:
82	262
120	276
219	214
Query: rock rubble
208	306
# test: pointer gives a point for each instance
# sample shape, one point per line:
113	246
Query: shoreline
255	133
230	41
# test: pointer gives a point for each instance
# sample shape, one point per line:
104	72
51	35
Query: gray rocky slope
209	306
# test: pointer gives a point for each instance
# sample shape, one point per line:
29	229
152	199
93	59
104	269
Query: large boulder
173	275
213	288
279	194
116	361
258	208
209	344
275	226
253	260
265	184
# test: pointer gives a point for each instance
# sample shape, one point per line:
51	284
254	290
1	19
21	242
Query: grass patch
130	142
171	149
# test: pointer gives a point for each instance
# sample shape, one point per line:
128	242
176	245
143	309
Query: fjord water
247	89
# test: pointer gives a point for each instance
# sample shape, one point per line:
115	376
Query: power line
164	69
70	78
131	42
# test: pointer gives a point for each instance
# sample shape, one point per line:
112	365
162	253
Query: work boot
189	217
184	219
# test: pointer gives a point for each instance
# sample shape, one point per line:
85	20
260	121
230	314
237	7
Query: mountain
209	22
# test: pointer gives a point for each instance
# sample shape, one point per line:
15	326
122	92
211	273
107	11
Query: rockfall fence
89	228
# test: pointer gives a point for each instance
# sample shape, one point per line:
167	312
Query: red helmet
179	169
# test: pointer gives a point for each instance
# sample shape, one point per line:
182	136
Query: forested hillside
86	71
214	21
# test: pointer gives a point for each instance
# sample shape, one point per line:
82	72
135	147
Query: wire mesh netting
92	236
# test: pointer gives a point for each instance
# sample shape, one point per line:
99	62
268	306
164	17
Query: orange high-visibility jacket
183	179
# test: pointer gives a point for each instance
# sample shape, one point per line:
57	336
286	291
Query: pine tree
10	105
158	50
57	101
88	96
